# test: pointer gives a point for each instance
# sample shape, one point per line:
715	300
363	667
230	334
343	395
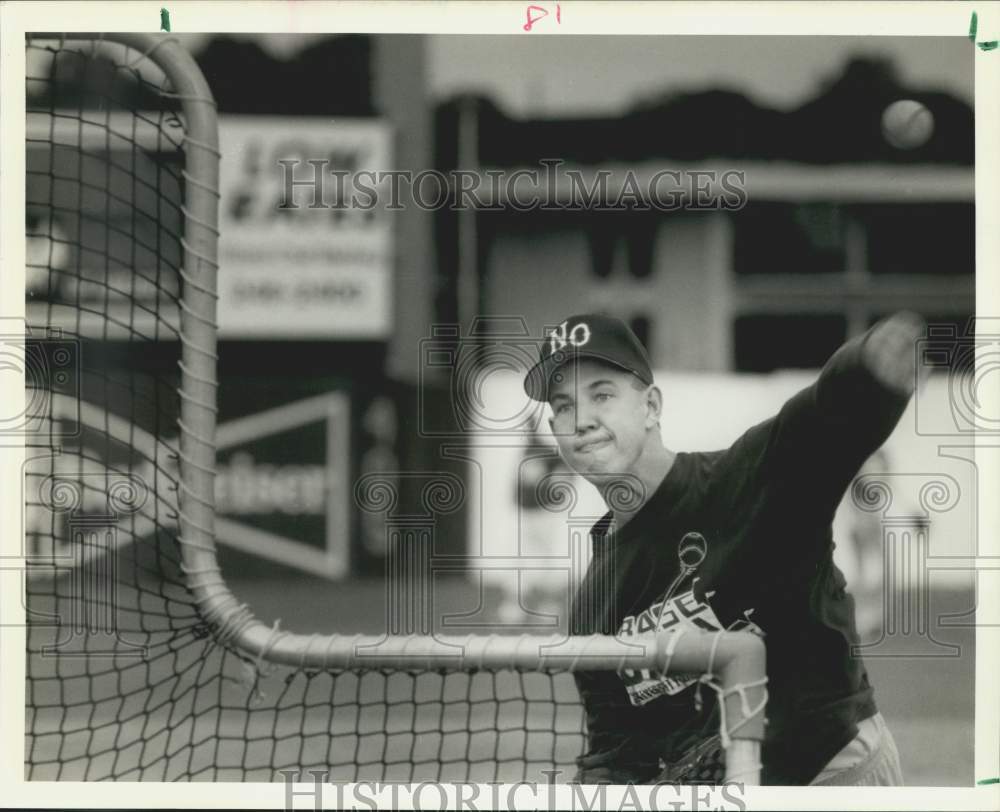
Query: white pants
869	759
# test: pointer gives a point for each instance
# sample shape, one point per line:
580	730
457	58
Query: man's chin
594	467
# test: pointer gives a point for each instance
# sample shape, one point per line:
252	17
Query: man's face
600	416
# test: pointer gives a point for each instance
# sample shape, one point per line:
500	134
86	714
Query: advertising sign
302	254
282	486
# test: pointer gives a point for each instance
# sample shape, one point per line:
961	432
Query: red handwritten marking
558	14
533	20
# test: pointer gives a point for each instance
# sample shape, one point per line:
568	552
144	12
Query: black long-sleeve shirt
764	507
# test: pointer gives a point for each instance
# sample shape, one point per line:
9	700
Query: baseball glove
703	763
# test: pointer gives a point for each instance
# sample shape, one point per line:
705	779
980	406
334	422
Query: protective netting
126	680
193	712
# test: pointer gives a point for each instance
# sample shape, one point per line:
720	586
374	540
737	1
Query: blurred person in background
857	535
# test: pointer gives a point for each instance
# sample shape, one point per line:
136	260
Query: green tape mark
973	25
988	46
165	19
986	781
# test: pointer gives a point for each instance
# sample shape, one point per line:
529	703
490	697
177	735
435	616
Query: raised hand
890	352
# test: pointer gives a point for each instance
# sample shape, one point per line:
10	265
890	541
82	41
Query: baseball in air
907	124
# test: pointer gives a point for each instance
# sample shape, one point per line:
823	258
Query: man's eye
602	396
561	408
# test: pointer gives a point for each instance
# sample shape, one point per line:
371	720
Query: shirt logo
561	336
684	611
676	610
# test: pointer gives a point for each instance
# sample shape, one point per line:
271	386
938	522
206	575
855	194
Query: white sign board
298	258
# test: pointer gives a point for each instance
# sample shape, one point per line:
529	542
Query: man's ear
654	406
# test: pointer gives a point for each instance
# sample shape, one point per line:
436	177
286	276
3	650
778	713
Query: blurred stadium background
327	339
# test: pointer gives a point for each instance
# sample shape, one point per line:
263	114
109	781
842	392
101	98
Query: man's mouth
590	445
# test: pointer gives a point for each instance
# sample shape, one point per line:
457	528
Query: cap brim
536	382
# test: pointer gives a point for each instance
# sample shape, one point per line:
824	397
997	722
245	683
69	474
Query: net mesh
125	679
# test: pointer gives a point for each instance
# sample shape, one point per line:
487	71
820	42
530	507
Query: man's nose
585	420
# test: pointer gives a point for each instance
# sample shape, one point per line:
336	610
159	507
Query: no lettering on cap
601	338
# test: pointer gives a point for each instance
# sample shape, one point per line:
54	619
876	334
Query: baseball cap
602	338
